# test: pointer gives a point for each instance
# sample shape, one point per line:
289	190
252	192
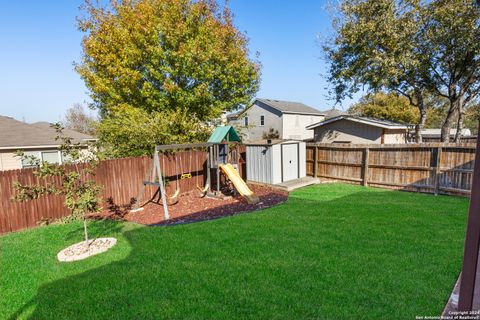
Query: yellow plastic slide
238	182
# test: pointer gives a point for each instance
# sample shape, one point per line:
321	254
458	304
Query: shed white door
290	161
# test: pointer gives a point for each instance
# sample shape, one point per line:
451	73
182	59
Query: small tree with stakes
76	176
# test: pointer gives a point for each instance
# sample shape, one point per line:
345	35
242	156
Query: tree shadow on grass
271	265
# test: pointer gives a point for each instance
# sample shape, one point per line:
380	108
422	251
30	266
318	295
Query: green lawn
331	252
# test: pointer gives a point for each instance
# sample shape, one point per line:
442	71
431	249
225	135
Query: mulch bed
192	208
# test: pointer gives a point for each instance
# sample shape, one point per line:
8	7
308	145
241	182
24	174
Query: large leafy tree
451	33
389	106
135	132
165	56
374	48
472	116
438	114
395	107
412	47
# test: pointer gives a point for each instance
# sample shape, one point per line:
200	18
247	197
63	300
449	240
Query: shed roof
224	133
386	124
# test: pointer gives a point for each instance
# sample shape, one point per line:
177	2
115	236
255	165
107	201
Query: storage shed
276	161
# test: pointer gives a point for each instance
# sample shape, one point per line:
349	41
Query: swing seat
174	198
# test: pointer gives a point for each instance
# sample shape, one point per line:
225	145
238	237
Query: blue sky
40	42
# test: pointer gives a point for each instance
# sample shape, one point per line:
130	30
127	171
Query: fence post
365	166
437	169
315	161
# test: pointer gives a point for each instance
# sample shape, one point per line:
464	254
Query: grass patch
331	252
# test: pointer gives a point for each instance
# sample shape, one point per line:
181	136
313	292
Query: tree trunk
85	229
447	124
458	134
445	132
423	116
461	117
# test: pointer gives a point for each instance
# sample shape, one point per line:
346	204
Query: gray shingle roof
17	134
291	107
370	121
332	113
75	135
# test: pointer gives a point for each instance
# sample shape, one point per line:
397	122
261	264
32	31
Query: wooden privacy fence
121	180
429	167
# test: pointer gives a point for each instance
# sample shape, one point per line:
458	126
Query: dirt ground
192	208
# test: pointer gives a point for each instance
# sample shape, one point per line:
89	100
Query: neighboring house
433	135
287	118
353	129
36	139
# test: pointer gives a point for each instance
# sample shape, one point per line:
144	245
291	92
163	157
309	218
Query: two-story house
289	119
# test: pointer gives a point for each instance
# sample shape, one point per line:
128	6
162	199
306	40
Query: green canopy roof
226	133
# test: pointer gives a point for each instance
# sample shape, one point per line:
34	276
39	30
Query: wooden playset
220	159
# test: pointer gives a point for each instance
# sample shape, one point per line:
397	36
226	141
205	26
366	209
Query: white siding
9	161
294	126
289	126
276	164
255	131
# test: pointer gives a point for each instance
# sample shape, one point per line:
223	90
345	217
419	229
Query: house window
27	163
262	120
246	121
51	156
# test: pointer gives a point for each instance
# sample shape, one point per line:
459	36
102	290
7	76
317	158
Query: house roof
16	134
224	133
75	135
386	124
291	107
280	106
436	133
332	113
